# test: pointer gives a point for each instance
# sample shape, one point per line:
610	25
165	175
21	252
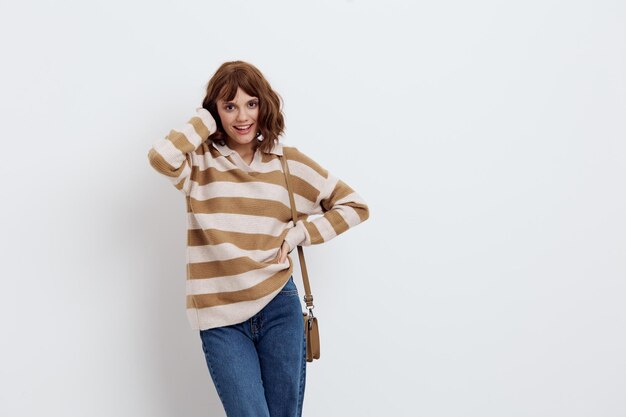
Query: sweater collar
225	150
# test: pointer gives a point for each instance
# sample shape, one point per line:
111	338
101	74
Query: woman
240	292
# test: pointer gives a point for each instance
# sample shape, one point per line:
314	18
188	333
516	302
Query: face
242	111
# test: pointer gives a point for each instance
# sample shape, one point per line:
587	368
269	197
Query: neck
244	150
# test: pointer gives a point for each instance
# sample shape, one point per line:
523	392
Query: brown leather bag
311	328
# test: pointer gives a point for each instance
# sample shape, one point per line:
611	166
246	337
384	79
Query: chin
243	140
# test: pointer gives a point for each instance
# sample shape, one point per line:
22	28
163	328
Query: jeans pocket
289	288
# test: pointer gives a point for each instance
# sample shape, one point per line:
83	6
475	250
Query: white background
488	139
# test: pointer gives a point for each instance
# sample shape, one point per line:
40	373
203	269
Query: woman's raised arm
171	156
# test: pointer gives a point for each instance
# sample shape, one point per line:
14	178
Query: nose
242	116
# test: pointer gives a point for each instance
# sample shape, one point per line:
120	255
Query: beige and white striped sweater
238	216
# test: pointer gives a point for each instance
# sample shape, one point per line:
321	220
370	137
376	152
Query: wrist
295	236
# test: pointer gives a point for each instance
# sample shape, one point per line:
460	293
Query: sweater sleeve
171	156
320	192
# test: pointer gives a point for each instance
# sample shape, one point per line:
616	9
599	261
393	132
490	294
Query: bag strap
308	297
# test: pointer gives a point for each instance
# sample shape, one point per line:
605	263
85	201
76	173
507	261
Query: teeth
242	127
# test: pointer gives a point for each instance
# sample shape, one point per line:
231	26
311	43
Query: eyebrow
232	102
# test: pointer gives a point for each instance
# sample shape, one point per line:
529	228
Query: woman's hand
281	257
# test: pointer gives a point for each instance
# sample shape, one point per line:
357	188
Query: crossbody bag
311	328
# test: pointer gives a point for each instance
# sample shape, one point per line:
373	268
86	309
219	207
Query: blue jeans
258	366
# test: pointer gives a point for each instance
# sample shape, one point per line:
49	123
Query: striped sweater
238	216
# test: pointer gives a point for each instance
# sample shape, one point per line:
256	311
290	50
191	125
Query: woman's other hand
281	257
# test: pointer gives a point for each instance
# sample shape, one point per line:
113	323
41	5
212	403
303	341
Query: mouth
243	129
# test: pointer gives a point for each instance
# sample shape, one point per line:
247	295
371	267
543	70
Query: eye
227	107
254	103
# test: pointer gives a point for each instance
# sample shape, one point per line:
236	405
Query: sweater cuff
207	119
296	235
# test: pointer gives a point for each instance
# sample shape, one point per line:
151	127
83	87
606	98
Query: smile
243	129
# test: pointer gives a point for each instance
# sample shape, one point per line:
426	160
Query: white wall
487	137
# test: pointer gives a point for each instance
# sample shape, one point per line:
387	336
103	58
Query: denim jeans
258	366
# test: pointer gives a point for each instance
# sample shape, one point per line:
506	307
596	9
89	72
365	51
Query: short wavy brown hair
223	85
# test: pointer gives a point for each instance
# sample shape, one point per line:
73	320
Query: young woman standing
241	296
